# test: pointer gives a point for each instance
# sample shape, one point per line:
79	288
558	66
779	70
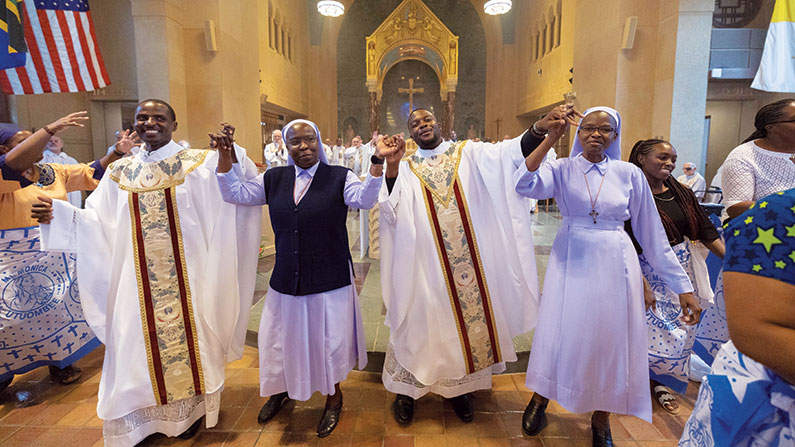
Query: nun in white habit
311	334
590	347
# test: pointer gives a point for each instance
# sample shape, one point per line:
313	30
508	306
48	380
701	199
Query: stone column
449	112
680	96
375	112
159	54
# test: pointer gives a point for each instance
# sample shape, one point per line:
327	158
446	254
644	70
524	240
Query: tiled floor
65	416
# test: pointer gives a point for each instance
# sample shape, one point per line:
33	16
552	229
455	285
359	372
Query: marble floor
37	413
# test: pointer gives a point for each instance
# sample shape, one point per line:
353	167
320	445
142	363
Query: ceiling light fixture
331	8
496	7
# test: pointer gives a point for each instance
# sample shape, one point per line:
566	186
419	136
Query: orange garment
16	201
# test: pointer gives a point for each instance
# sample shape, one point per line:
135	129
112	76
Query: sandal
666	400
65	376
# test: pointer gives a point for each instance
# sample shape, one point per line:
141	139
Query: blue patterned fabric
761	241
41	319
670	339
742	402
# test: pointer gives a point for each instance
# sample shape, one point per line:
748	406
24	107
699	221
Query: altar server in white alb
590	348
458	269
167	272
311	334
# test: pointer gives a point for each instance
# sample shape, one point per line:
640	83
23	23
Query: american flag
63	55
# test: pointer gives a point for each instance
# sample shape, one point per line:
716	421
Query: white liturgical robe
458	268
167	272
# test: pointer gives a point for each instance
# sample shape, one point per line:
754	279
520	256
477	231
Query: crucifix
497	122
411	91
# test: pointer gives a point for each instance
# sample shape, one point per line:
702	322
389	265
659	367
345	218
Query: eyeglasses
604	130
787	121
688	169
309	140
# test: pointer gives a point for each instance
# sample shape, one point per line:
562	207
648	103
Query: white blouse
750	173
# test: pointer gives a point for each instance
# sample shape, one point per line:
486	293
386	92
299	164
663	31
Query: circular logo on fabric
74	292
29	291
665	316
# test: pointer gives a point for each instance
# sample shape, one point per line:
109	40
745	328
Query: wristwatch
376	161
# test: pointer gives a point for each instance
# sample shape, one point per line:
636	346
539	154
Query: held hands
390	148
76	119
42	211
691	311
555	122
223	141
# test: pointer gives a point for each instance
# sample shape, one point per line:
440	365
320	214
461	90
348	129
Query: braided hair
682	195
769	114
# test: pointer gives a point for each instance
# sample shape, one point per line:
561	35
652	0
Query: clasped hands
390	148
555	122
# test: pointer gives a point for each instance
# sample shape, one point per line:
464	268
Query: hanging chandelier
331	8
496	7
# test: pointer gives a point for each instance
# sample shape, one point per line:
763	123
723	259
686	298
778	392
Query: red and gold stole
459	257
169	328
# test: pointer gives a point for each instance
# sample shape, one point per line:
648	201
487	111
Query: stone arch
363	17
412	32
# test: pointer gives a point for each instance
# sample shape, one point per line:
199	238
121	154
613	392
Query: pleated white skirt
309	343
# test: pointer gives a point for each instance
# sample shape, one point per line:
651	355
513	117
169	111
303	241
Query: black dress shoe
462	405
535	418
404	409
329	420
191	431
601	438
272	407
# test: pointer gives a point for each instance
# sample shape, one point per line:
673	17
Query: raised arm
235	189
28	152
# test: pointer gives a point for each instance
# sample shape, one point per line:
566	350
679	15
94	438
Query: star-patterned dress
742	402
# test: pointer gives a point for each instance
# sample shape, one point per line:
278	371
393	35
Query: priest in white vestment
167	272
458	268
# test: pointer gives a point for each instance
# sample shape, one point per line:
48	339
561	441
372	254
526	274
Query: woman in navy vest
311	334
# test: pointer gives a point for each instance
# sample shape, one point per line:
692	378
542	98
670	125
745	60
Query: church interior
678	70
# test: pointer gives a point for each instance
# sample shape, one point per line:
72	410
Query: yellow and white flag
777	70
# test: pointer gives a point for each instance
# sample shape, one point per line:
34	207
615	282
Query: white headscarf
321	152
614	150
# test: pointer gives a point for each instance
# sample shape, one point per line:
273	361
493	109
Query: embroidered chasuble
169	326
459	256
167	272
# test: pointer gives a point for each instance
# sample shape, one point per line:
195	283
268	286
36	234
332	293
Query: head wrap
321	152
614	150
7	130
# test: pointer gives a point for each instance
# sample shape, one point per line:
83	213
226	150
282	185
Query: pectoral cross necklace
593	212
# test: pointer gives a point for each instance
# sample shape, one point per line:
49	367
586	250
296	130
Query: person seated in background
693	180
749	397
